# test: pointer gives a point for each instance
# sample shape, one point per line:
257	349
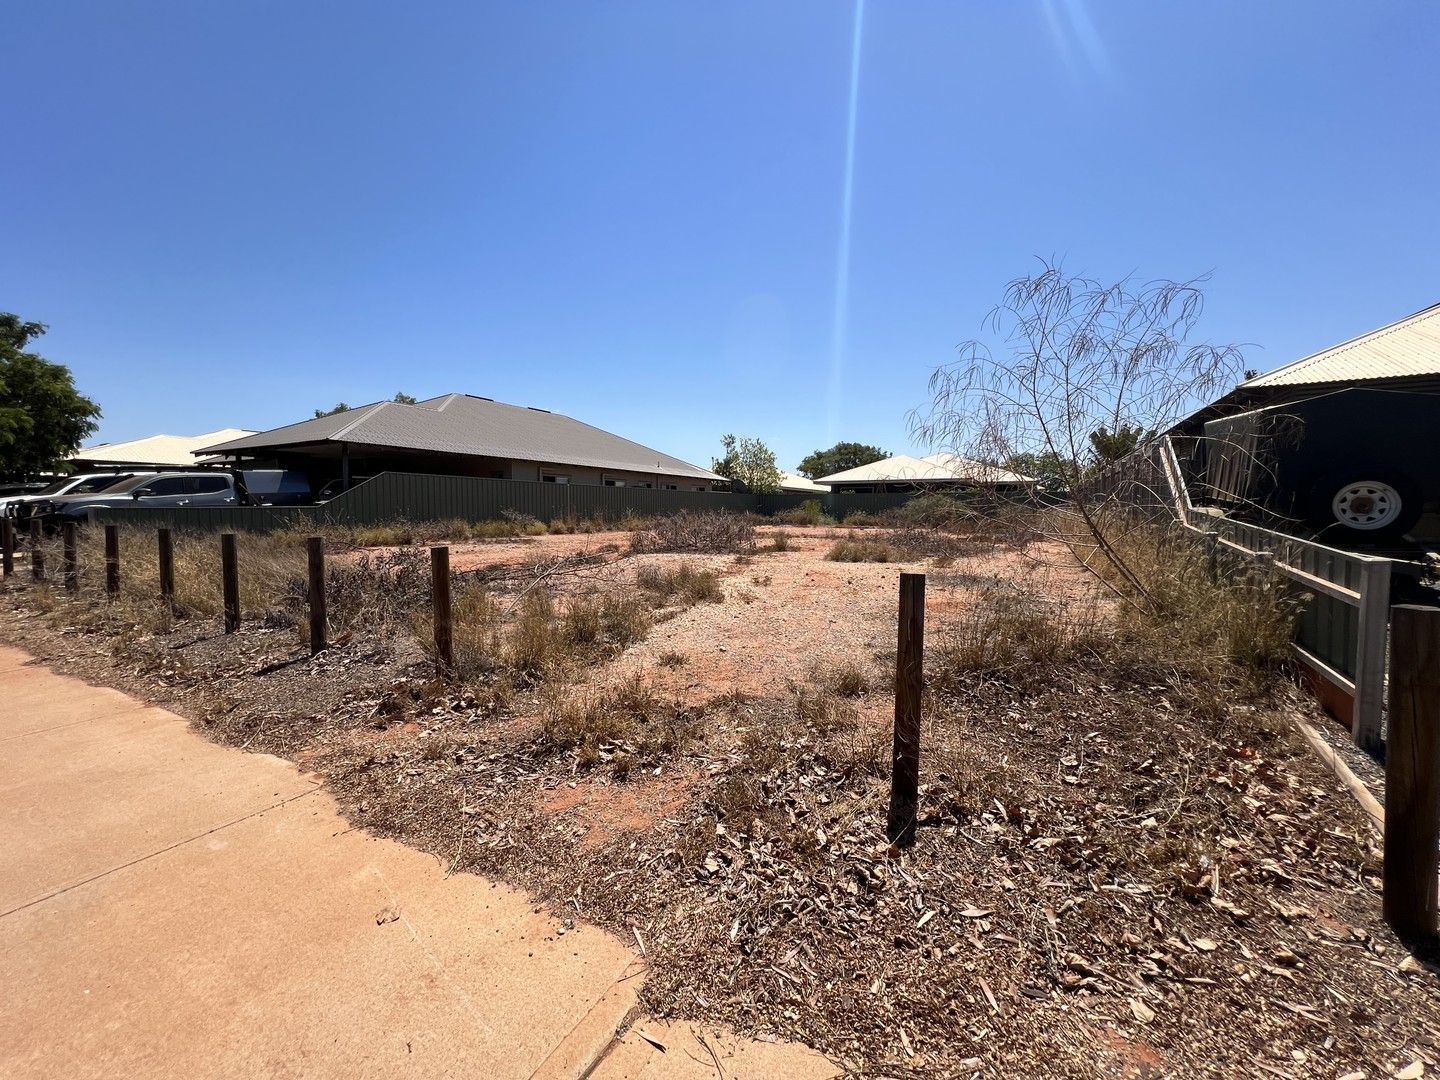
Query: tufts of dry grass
852	550
684	584
617	725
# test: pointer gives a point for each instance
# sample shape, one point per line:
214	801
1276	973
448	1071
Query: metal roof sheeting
472	426
796	482
904	469
1404	349
157	449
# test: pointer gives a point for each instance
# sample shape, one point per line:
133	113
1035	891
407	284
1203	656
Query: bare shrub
709	531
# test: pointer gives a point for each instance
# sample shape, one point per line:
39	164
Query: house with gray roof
462	435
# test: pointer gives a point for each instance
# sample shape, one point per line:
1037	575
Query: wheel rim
1366	505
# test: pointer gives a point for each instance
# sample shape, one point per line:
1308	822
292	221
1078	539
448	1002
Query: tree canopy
749	462
401	397
841	456
1108	446
43	418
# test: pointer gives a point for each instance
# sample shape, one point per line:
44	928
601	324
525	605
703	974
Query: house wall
582	474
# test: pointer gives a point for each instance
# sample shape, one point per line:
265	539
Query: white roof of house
1403	349
157	449
796	482
933	468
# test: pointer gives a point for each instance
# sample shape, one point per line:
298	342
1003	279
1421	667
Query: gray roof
475	426
1404	349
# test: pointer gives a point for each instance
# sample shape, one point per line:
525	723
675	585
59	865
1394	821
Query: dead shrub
710	531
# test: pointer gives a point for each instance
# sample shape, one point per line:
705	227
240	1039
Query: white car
84	484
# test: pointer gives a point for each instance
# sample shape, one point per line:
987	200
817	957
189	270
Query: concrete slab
88	797
288	946
173	908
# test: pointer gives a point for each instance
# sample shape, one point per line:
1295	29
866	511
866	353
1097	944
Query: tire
1365	503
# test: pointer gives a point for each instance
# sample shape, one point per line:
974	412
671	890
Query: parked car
18	506
276	487
338	486
164	489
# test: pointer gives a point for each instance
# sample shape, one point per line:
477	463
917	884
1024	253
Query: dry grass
619	726
684	584
810	512
1233	610
852	550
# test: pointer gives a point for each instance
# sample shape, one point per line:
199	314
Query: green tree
43	418
1108	446
1054	472
400	397
749	462
841	456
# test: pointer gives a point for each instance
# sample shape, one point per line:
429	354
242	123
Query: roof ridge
371	410
1387	328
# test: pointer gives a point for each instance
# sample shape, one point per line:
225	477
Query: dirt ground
1124	868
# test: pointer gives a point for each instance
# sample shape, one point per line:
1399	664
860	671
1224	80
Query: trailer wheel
1366	503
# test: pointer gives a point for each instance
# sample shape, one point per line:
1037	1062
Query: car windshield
97	483
52	488
130	484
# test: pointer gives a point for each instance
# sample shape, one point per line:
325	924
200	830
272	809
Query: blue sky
230	213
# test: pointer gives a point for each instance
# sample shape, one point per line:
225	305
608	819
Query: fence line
424	497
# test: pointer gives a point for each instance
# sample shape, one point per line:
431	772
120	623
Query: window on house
672	487
554	478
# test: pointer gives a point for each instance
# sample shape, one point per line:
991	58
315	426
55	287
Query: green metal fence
398	496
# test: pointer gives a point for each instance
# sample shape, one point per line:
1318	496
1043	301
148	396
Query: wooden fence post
112	561
440	591
315	559
37	553
1412	773
230	582
71	562
165	554
909	685
7	547
1370	636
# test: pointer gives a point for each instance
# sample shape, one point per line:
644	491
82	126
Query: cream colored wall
580	474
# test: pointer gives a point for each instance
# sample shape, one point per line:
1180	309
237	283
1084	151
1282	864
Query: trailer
1353	466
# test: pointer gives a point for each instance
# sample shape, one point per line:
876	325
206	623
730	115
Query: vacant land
1127	863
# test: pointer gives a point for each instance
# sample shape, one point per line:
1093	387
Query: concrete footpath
174	908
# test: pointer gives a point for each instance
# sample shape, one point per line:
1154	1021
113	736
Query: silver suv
155	489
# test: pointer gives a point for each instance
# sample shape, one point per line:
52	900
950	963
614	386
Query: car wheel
1366	503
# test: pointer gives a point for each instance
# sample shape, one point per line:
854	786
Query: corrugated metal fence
424	497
